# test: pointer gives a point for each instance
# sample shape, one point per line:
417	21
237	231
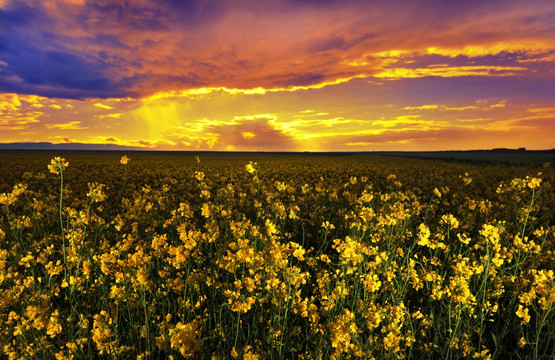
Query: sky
280	75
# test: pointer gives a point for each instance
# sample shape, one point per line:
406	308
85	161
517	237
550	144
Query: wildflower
328	226
250	168
205	210
57	164
522	313
482	355
437	192
96	192
102	334
124	160
11	198
533	182
243	306
38	315
54	327
521	342
450	220
491	233
423	235
341	331
142	277
299	253
293	213
463	238
466	179
392	340
372	283
184	338
251	356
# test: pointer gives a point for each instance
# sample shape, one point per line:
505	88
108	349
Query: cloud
106	49
72	125
18	112
399	73
422	107
242	133
114	116
102	106
245	75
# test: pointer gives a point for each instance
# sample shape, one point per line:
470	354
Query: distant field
508	156
149	255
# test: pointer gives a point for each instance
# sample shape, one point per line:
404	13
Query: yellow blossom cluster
286	257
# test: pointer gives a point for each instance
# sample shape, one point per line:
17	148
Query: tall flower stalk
56	167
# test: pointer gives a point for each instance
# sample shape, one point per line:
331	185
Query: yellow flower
450	220
533	182
205	210
38	315
142	277
341	330
102	334
54	327
423	235
463	238
96	193
250	167
521	342
437	192
372	283
57	164
250	356
328	226
11	198
124	160
522	313
299	254
466	179
184	338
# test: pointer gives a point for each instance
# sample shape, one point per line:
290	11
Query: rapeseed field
134	256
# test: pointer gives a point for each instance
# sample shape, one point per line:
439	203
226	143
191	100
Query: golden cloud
422	107
452	71
103	106
72	125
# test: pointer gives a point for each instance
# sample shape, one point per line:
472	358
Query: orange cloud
422	107
102	106
229	75
72	125
244	134
480	70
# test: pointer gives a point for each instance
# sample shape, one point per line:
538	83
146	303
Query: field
274	256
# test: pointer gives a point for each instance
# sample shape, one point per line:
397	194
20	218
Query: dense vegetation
107	255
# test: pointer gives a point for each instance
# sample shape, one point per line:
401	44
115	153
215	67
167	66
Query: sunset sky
283	75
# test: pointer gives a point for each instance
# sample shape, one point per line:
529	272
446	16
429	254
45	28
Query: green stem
528	213
61	219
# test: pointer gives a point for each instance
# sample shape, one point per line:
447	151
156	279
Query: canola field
267	256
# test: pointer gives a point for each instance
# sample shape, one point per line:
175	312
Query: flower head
124	160
522	313
57	164
250	167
